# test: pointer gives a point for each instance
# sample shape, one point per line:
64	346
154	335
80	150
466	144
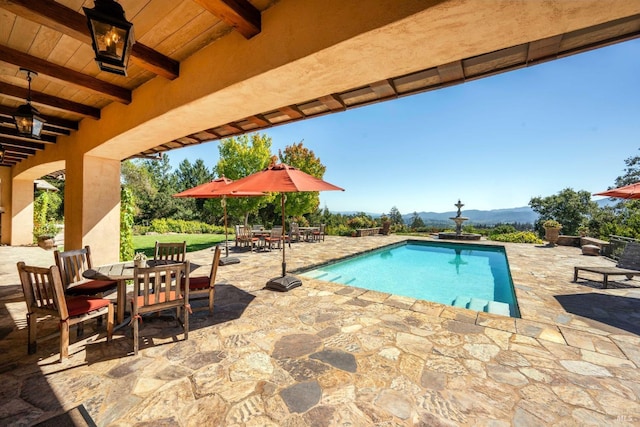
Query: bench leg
575	274
605	282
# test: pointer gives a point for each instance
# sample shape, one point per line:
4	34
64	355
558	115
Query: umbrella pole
284	263
226	233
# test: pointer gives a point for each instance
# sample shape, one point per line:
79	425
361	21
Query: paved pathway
325	354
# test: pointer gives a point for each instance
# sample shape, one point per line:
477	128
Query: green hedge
517	237
163	226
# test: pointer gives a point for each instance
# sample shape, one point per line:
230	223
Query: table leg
120	301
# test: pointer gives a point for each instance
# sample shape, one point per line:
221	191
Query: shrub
163	226
360	222
339	230
517	237
551	223
503	229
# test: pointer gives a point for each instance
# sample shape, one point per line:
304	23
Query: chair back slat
276	232
156	285
175	252
214	267
72	264
43	290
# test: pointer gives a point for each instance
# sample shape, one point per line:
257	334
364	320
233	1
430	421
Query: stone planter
386	226
552	235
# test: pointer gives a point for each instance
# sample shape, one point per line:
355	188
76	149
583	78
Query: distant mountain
505	216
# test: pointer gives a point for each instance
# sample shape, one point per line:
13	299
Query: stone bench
361	232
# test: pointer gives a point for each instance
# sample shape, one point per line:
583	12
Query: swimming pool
462	275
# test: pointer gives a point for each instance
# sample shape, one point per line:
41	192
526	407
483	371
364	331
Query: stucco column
92	206
5	206
20	225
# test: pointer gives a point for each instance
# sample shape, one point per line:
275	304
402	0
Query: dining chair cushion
152	298
91	287
81	305
195	283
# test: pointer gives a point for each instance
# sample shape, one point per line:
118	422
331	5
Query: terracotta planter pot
46	242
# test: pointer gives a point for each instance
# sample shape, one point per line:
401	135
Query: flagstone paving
325	354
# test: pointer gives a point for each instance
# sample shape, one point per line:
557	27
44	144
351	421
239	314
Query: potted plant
551	231
45	233
140	260
583	231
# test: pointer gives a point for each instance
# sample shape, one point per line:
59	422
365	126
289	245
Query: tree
416	221
152	184
300	157
189	176
395	216
570	208
632	172
240	157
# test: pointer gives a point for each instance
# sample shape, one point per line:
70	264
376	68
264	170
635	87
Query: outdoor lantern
1	153
27	117
111	36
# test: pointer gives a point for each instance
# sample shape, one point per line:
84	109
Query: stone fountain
459	234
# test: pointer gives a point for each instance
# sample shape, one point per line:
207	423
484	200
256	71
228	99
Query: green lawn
195	242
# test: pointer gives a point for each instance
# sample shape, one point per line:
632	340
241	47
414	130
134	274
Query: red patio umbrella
627	192
217	188
281	178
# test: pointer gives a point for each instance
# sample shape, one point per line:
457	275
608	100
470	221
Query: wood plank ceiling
51	38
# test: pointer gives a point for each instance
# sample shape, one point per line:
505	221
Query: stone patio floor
325	354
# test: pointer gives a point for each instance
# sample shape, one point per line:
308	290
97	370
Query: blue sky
493	143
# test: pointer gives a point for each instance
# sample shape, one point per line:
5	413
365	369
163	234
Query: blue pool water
471	276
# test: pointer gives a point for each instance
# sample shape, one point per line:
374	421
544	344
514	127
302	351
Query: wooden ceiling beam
67	75
67	21
11	154
51	101
10	142
13	134
23	150
240	14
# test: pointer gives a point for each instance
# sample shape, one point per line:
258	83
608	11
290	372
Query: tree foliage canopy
240	157
300	157
569	207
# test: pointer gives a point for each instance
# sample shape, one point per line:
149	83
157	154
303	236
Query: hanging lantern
111	36
27	117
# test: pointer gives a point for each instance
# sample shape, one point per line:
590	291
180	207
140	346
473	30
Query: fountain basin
461	236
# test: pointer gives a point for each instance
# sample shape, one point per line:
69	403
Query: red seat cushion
92	287
82	305
197	283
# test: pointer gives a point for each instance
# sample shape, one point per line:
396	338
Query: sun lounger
628	265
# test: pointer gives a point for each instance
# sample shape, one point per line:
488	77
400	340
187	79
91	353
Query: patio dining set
73	291
257	238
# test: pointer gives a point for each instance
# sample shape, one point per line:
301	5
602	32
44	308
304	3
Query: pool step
317	274
329	277
497	307
479	304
